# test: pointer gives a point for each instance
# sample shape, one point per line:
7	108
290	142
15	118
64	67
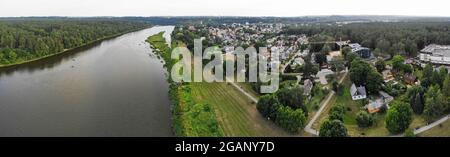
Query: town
336	87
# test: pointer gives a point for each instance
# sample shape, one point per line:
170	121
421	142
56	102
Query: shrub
364	119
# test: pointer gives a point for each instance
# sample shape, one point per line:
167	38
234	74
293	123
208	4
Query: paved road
244	92
429	126
325	103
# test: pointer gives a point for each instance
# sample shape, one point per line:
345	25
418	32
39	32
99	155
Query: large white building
436	54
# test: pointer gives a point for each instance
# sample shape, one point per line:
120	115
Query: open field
236	114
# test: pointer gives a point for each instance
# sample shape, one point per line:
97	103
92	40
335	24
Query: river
115	87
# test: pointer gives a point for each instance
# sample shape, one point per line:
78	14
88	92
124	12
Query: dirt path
323	105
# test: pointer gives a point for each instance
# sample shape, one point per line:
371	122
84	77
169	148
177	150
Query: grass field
236	114
438	131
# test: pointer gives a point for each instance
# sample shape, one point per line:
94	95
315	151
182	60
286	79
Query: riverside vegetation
190	118
27	39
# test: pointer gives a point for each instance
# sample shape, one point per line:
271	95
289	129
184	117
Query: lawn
438	131
236	114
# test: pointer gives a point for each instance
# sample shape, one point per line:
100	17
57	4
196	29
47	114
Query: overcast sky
222	7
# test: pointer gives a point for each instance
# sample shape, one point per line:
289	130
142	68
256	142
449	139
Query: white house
358	93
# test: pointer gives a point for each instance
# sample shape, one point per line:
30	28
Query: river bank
71	49
116	88
190	118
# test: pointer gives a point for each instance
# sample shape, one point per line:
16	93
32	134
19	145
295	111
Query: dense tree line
285	107
384	37
26	39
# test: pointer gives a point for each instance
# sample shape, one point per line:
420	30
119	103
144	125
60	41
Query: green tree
384	46
435	103
337	112
409	133
337	64
345	51
333	128
427	70
436	78
443	72
364	119
290	120
320	58
374	81
308	68
398	117
416	98
397	62
380	65
325	49
406	68
446	86
10	55
427	74
411	48
267	105
359	71
292	97
398	47
350	58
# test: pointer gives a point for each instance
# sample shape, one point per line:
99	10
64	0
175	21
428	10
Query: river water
116	87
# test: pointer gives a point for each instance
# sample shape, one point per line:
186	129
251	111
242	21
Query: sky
282	8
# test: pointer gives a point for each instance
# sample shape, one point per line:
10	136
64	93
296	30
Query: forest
404	38
24	39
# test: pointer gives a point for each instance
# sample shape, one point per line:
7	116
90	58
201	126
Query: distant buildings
341	44
436	54
358	93
363	52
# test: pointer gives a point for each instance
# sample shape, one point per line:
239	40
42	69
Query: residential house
387	76
358	93
375	106
383	101
410	79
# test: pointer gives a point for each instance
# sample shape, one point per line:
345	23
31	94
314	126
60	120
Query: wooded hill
24	39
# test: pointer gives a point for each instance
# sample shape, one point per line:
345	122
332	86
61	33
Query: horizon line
331	15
